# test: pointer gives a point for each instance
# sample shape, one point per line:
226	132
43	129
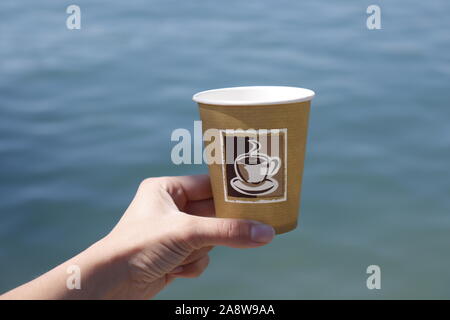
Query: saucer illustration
254	168
267	186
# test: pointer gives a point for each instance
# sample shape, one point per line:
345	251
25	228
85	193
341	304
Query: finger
236	233
196	187
169	278
203	208
193	269
188	188
196	255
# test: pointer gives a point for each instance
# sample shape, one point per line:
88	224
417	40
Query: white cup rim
253	96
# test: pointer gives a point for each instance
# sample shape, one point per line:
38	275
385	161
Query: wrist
109	264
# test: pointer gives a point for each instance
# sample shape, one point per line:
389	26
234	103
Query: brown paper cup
256	151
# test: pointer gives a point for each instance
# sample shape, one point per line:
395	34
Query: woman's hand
168	230
165	233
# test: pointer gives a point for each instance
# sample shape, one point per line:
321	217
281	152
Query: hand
168	230
165	233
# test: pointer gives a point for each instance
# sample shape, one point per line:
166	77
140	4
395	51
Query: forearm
102	272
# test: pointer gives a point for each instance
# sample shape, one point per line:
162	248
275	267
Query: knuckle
153	180
232	229
189	233
147	182
152	183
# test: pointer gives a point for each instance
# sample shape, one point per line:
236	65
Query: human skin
166	233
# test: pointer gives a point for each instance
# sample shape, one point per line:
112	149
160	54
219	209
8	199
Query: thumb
236	233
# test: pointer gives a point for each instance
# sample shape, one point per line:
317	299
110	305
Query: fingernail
261	233
177	270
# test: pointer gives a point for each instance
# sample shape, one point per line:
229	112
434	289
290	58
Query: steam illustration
255	146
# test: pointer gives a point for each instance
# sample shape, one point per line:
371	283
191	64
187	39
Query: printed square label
254	165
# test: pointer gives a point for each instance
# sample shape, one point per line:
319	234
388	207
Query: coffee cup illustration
255	171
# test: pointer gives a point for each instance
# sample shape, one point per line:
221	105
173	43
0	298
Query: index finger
194	188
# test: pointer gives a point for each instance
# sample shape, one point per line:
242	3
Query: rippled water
86	114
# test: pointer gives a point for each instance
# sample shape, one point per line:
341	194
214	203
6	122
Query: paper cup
256	150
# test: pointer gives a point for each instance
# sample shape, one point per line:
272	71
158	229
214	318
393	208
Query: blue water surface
86	114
